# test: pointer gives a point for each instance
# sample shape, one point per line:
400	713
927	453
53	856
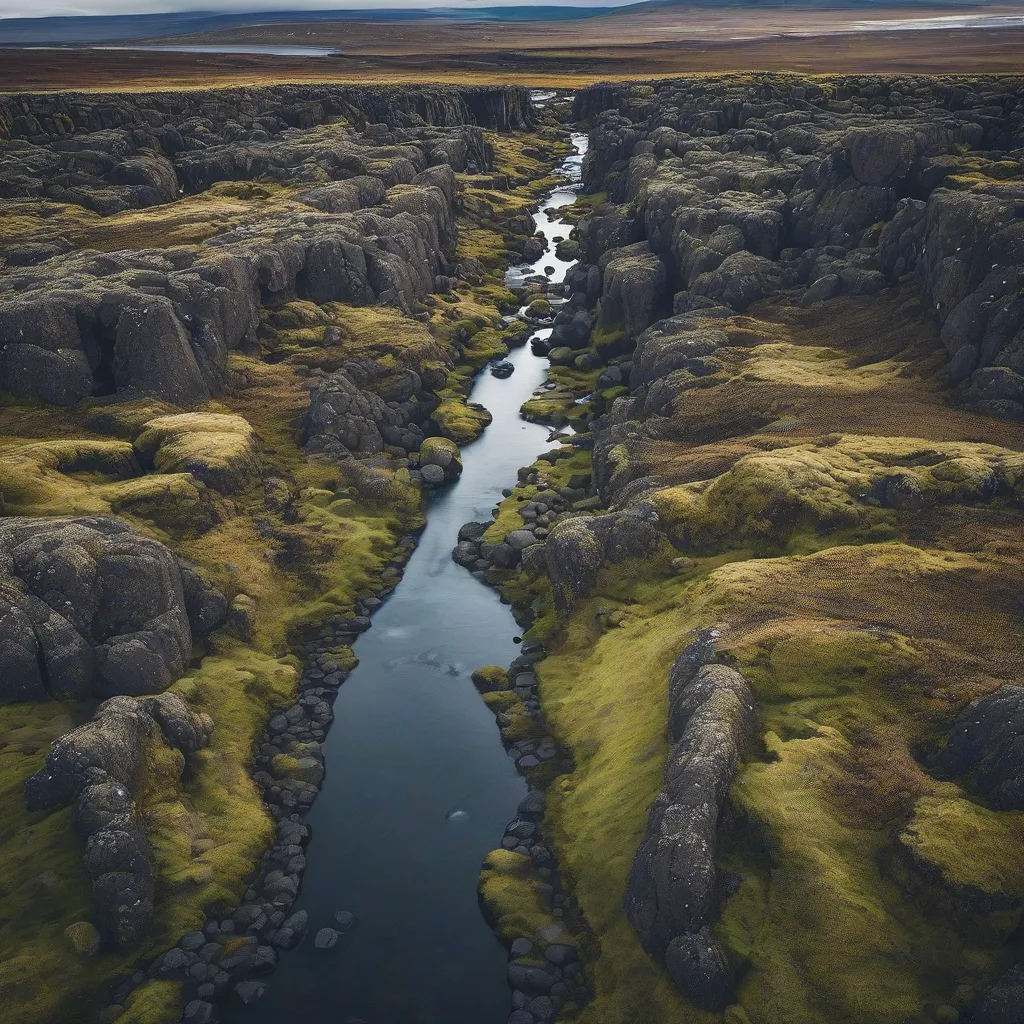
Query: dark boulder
986	748
671	886
92	607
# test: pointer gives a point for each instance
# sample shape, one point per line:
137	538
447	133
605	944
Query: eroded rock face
88	607
671	889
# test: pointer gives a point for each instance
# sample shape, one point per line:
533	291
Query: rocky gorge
767	690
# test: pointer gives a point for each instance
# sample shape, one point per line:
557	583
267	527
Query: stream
419	788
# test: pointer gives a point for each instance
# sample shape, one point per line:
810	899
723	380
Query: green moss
458	420
218	449
770	497
508	891
441	451
583	207
483	244
892	953
975	850
42	889
608	341
153	1002
176	503
84	937
59	476
483	346
209	834
501	700
285	766
490	678
824	662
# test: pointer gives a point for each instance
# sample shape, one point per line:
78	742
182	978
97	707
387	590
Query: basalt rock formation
119	151
91	608
376	224
742	190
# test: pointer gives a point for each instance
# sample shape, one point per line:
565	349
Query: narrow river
412	743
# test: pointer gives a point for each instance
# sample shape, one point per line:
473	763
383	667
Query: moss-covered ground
296	540
858	540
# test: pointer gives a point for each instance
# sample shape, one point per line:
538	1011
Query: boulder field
776	568
374	222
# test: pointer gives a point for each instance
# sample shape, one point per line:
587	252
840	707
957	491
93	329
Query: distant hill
124	28
119	28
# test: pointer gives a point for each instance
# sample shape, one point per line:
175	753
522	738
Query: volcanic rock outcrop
376	224
732	191
91	608
96	767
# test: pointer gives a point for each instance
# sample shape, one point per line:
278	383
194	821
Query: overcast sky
42	8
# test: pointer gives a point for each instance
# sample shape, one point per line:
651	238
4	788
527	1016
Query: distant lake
912	23
275	50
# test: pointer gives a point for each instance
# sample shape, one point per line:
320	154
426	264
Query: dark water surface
411	744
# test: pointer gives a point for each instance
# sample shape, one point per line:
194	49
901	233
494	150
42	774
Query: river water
411	744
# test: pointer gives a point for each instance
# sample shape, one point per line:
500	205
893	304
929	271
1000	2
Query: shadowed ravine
412	742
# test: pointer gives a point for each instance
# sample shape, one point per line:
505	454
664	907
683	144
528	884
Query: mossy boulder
444	454
490	679
304	768
177	503
218	449
84	937
508	890
539	309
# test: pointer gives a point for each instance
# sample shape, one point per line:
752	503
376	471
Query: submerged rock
326	938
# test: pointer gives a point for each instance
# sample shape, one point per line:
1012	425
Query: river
411	744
